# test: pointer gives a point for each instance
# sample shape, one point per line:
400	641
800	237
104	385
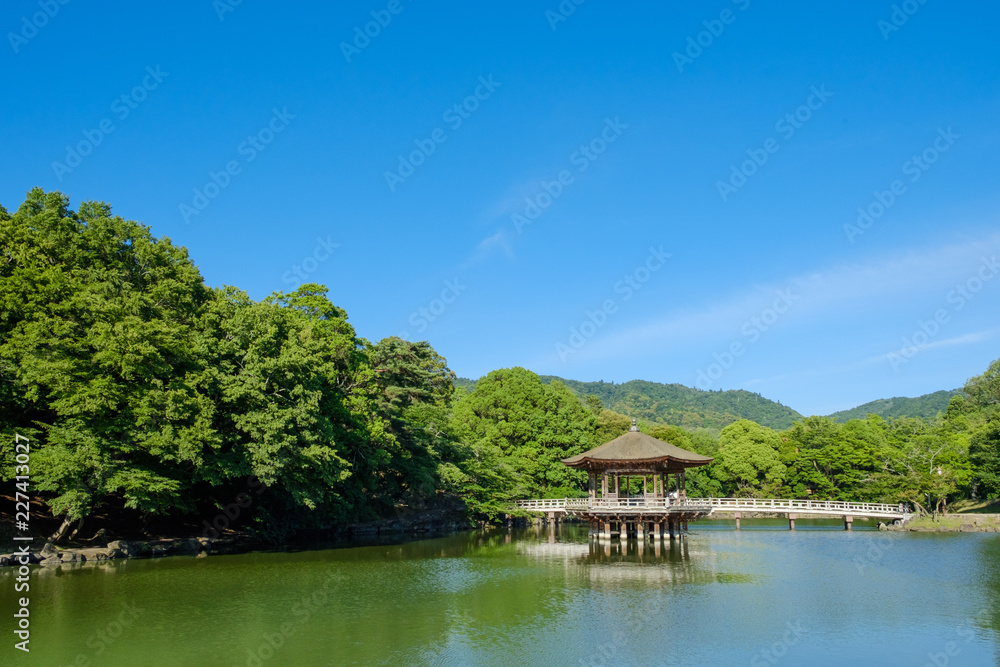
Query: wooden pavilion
617	468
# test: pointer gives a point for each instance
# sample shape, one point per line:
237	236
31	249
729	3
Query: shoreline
424	523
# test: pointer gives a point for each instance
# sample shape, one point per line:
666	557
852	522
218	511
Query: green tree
749	458
531	425
984	390
100	344
984	453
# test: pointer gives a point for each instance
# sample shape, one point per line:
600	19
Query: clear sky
597	191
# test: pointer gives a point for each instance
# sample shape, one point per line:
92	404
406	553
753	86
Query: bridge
640	510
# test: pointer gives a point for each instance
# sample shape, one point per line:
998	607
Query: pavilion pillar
791	521
737	515
645	490
591	484
848	522
618	484
604	484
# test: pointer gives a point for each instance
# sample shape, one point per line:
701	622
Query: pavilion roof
635	448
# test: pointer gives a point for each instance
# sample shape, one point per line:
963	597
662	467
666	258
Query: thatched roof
636	449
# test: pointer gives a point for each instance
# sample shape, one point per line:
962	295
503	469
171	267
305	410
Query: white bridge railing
770	505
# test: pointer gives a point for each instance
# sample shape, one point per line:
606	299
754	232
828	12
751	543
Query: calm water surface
763	596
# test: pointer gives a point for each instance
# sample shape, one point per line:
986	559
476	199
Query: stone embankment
195	546
426	522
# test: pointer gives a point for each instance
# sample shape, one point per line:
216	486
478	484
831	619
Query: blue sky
596	191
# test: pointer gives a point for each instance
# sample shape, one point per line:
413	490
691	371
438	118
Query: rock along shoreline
428	523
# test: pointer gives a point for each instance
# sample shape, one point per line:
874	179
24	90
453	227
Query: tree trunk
63	529
79	525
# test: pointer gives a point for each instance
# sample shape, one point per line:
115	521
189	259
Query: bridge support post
848	522
791	521
658	530
551	516
738	516
607	530
670	528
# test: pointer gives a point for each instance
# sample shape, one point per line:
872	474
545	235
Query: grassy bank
955	523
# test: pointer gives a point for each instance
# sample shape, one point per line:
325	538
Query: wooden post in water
737	515
848	522
791	521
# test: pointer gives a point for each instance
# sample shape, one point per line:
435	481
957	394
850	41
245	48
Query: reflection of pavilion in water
648	561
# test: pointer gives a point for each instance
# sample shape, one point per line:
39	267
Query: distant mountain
926	406
678	405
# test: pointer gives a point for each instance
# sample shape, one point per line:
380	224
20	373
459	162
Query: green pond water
536	596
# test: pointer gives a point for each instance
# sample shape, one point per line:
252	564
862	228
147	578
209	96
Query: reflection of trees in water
990	616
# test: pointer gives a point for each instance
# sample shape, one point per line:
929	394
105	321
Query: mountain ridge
693	408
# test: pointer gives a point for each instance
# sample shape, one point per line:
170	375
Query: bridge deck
627	506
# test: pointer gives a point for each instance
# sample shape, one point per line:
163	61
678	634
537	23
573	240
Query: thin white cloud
965	339
485	249
849	288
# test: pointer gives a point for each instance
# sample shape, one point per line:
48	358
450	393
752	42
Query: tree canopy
145	389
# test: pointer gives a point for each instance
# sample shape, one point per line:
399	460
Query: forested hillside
676	404
926	407
144	391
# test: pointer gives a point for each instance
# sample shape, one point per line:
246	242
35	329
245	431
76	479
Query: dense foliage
927	407
686	406
146	390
